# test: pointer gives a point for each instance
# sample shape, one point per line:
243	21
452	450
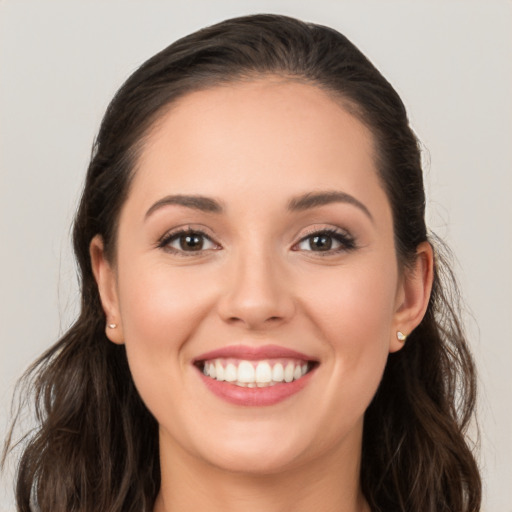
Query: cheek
353	309
355	305
160	310
160	303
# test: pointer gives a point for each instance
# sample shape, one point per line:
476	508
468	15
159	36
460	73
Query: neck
327	485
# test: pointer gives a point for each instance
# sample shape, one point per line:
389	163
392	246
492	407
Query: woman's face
257	241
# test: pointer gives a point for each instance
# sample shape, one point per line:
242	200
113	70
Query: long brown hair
96	445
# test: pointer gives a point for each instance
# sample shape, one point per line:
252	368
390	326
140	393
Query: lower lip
255	397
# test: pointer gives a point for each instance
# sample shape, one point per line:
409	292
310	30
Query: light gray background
451	61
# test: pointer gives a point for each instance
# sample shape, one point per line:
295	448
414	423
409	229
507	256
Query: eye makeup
191	241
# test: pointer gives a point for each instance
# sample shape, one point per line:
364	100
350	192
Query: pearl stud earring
112	326
401	336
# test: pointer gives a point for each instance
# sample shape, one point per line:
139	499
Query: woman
264	323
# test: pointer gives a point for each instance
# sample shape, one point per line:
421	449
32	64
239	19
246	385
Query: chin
257	462
266	453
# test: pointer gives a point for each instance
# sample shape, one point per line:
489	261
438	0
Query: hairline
155	120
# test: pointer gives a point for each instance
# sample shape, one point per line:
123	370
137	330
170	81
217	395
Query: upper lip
252	353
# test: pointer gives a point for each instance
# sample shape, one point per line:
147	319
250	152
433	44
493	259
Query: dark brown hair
96	445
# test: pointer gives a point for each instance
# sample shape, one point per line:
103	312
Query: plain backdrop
451	61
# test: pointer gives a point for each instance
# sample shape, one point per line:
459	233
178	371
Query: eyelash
346	241
165	241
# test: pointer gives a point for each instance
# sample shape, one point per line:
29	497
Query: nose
258	293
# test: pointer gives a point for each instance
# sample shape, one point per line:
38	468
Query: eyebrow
299	203
316	199
204	204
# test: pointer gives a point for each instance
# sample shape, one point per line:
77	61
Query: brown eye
187	241
320	242
327	241
191	242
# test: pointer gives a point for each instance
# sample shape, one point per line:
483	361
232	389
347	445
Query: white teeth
278	373
245	372
255	374
230	375
263	373
288	372
219	370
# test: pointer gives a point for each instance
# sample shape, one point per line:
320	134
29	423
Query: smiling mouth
253	373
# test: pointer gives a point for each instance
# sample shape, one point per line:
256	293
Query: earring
401	336
111	326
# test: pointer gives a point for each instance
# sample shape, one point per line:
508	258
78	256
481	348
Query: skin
253	146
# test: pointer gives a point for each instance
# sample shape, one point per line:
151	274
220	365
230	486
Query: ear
413	295
105	276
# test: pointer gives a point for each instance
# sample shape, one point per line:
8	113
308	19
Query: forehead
268	136
263	108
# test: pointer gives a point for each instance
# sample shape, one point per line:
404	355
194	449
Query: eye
190	241
327	240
